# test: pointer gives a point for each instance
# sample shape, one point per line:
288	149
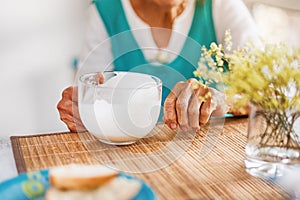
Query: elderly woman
166	36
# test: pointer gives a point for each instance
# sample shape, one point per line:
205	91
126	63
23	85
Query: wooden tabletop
208	164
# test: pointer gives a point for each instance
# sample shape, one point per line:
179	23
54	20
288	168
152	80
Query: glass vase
273	142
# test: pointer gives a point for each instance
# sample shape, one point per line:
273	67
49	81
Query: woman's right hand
68	110
68	107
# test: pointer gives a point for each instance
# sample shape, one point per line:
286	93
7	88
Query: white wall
38	42
278	20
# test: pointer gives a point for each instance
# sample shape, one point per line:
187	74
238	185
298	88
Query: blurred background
41	40
277	20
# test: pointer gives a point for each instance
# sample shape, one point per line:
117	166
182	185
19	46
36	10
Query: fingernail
184	128
173	125
197	129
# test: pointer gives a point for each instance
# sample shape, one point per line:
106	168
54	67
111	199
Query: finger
64	106
70	93
100	77
170	115
68	108
182	106
69	118
196	102
73	123
194	84
73	127
194	111
60	105
67	93
205	111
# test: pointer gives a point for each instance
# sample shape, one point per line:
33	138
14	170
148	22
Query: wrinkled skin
68	107
68	110
183	108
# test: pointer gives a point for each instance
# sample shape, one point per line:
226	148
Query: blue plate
33	185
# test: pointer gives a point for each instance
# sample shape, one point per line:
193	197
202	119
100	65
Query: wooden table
204	165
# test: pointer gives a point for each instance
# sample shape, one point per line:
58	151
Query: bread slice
80	177
118	188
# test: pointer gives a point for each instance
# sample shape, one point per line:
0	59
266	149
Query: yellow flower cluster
267	76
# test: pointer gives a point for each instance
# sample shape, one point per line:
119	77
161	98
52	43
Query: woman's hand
68	110
190	105
68	107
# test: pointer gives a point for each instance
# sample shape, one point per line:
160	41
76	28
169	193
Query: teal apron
128	55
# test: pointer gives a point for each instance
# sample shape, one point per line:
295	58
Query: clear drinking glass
123	108
273	145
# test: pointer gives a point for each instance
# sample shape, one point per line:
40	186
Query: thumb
100	77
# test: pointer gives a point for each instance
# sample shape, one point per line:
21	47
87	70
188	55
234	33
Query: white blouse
227	14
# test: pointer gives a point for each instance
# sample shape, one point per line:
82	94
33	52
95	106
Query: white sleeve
96	53
234	15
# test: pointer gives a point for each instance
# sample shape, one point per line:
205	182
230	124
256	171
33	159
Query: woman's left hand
190	105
